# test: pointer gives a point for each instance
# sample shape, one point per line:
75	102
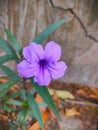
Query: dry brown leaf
95	90
3	80
71	112
35	126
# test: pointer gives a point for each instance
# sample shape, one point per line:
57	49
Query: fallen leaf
71	112
61	93
35	126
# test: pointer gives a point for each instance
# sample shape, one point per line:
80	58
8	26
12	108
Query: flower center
42	64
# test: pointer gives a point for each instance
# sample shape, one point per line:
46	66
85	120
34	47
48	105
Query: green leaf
13	126
13	41
7	108
35	109
14	95
17	103
21	119
45	33
7	48
44	93
5	87
10	73
6	58
23	94
43	104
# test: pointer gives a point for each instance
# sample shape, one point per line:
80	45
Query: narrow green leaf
13	40
10	73
7	48
17	103
14	95
5	87
23	94
43	104
44	93
21	119
45	33
7	108
12	126
14	102
6	58
35	109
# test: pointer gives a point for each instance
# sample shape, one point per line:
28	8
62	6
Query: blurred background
78	38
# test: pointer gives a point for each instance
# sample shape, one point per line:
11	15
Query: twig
81	103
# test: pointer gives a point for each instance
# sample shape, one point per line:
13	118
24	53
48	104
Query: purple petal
57	70
33	52
52	51
42	78
26	69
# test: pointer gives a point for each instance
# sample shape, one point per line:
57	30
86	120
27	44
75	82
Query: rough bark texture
78	38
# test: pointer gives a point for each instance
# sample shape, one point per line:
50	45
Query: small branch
78	19
81	103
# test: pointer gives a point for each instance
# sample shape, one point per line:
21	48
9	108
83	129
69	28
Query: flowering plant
42	64
36	64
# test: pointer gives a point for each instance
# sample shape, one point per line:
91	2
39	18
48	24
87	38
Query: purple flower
42	64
